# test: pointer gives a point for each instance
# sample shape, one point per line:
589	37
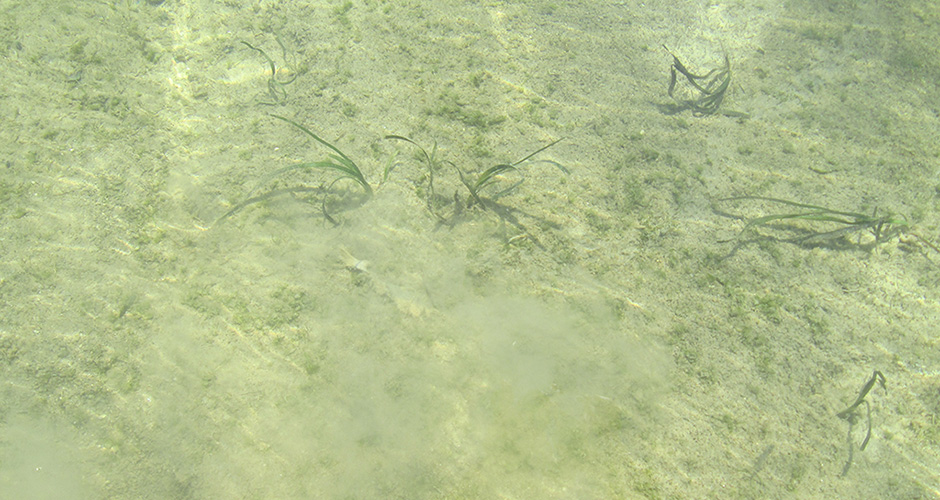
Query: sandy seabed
582	335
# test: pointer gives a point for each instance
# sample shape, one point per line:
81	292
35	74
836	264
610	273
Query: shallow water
582	336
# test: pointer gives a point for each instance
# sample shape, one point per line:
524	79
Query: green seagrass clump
337	163
809	225
483	189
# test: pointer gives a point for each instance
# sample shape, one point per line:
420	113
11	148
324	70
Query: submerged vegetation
344	168
338	163
276	86
476	185
821	226
777	220
852	416
490	176
707	91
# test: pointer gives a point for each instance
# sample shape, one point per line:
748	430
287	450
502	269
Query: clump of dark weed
821	226
483	189
708	90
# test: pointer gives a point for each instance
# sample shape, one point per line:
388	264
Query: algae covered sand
579	335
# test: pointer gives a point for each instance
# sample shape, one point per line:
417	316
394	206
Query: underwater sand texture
585	340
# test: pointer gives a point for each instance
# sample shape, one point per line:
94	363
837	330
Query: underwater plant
276	87
476	185
338	163
839	224
708	90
